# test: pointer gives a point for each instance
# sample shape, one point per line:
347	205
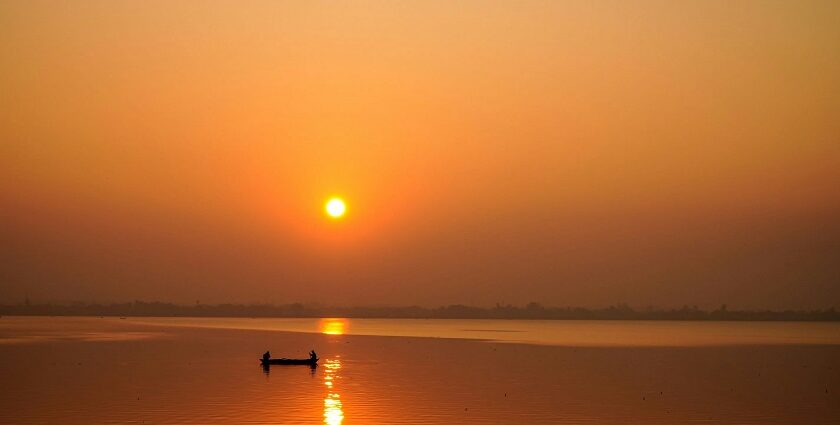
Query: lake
73	370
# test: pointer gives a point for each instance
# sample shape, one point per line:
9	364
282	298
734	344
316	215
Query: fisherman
313	356
266	356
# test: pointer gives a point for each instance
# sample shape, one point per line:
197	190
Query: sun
335	207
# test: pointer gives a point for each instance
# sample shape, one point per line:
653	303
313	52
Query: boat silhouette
310	361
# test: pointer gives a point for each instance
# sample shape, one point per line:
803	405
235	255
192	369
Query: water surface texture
205	371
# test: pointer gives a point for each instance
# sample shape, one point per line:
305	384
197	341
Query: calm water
168	370
578	333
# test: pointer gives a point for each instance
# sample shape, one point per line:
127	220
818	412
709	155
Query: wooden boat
310	362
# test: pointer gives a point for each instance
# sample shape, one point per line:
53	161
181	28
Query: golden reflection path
333	326
333	412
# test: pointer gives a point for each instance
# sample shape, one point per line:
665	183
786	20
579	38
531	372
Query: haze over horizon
573	153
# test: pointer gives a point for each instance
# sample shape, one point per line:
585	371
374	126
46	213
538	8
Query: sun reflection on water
333	326
333	412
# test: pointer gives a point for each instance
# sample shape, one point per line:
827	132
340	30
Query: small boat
310	362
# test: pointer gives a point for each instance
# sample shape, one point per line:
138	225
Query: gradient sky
568	152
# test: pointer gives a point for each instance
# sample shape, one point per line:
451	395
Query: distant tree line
531	311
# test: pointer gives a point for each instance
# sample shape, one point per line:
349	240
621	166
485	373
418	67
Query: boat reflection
333	412
333	326
267	368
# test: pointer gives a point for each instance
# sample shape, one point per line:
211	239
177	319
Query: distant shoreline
532	311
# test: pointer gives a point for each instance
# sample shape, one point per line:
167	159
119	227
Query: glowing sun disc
335	208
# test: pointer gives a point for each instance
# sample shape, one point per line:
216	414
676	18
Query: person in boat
313	356
266	356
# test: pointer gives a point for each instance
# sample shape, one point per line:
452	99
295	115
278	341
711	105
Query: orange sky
569	152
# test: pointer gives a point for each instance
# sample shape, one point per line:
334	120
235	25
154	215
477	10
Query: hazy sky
568	152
